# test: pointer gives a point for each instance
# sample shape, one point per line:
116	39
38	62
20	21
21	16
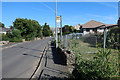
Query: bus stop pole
56	23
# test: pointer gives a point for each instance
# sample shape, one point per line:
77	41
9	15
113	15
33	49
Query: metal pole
61	27
56	24
105	36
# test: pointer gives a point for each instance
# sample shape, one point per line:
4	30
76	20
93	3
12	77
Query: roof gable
5	29
92	24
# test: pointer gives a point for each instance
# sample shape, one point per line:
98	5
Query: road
21	60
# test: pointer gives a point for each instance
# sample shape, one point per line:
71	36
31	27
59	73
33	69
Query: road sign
58	18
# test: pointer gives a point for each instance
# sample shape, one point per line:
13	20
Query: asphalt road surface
21	60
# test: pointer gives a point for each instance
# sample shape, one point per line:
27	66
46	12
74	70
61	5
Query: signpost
56	24
57	19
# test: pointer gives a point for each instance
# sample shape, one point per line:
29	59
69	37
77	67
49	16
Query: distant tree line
27	29
2	25
46	30
67	29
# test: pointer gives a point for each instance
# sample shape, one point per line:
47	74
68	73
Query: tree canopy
67	29
2	25
29	28
46	30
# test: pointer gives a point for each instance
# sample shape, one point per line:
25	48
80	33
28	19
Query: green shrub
15	39
5	37
14	36
96	69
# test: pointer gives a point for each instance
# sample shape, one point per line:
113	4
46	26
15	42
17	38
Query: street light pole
56	23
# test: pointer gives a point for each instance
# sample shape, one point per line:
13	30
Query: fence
79	43
108	42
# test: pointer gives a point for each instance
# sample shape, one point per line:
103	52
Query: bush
5	37
15	39
14	36
96	69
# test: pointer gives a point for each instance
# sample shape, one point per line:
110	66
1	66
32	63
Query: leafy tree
4	37
11	27
67	29
2	25
51	33
29	28
16	33
71	29
38	28
14	36
46	30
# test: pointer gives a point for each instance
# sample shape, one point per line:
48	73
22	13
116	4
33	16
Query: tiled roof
93	24
5	29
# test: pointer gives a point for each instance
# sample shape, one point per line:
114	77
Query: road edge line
39	64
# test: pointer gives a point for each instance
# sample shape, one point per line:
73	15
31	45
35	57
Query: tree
38	28
2	25
11	27
51	33
46	30
16	33
71	29
67	29
29	28
14	36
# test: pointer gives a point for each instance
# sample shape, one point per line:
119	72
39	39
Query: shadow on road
32	55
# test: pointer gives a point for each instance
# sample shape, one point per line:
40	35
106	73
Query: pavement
51	66
20	61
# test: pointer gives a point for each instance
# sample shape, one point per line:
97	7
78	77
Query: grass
87	47
83	45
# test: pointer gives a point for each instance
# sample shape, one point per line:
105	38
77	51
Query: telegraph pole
56	23
61	27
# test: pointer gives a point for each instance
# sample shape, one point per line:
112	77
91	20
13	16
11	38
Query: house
5	30
93	27
77	27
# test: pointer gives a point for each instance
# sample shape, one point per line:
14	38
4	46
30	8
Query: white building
77	27
4	30
93	27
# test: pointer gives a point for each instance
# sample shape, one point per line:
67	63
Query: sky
73	13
